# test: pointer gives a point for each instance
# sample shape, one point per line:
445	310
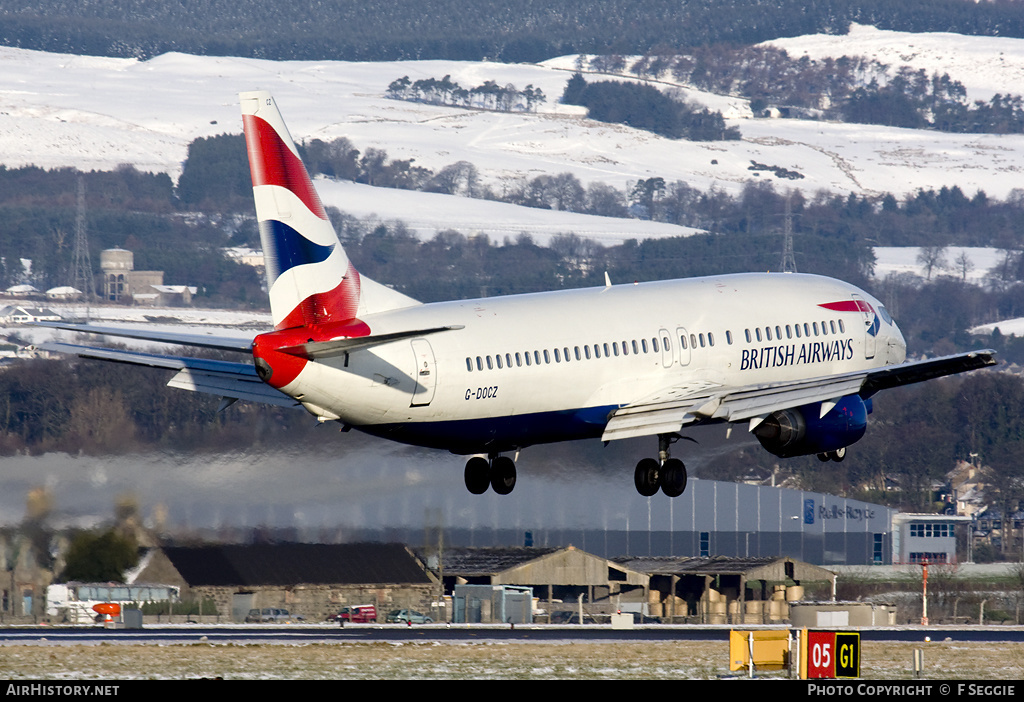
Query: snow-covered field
986	66
426	213
88	112
903	260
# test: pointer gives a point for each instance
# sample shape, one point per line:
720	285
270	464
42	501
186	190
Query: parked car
571	617
272	614
408	616
355	613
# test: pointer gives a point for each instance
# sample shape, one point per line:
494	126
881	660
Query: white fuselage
543	367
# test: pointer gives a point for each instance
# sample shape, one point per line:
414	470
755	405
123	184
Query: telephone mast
81	263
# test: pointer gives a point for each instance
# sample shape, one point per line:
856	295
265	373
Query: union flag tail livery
310	279
795	359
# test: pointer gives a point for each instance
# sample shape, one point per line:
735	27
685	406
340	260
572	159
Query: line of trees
645	107
849	88
488	95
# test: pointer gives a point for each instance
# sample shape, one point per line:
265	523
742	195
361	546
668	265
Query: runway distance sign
830	654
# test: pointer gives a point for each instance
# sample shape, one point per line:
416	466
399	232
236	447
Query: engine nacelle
801	431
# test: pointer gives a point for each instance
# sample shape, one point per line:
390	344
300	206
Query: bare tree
964	264
932	258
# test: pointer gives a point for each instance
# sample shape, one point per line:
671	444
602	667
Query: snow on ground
1007	327
896	260
96	113
426	213
236	324
902	260
985	66
60	110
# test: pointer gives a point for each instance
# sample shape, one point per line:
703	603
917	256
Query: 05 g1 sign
829	654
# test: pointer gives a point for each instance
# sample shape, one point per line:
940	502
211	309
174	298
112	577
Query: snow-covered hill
96	113
986	66
58	110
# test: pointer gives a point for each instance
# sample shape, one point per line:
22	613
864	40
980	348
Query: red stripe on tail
337	305
271	162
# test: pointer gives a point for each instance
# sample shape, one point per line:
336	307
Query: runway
354	633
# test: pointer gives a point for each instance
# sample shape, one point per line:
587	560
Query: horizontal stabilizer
337	347
206	341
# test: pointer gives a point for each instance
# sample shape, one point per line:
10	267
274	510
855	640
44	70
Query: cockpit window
885	314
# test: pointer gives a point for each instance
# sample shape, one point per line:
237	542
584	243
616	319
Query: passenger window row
701	339
565	354
795	331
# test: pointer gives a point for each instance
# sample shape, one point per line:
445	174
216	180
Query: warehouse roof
290	564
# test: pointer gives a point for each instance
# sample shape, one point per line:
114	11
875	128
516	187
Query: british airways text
794	354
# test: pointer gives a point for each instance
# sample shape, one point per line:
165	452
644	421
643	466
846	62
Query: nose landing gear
499	473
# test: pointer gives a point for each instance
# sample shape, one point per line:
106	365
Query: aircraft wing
669	410
227	379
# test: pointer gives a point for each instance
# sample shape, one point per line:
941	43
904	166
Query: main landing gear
668	474
837	455
498	472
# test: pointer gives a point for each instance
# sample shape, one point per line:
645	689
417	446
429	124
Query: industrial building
567	581
712	518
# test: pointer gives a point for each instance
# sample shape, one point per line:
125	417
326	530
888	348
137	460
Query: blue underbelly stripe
506	433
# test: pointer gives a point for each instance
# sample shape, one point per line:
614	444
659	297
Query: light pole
924	610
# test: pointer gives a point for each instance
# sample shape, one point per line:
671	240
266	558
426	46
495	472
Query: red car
358	614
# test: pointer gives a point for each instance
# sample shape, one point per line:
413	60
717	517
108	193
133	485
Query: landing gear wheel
477	475
647	477
673	477
503	475
838	455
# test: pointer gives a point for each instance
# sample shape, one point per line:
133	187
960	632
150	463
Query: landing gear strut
497	472
668	474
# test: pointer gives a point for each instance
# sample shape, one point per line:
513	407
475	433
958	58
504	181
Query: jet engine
802	431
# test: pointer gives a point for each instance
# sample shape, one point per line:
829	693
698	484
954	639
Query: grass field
439	661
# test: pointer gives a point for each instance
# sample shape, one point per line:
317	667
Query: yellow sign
770	649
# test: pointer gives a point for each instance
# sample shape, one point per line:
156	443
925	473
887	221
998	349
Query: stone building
120	279
558	577
122	283
310	580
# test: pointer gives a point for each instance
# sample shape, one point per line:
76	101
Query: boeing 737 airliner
793	358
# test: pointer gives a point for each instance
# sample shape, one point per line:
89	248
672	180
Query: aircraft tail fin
309	277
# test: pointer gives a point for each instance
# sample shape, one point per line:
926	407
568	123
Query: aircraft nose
897	345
